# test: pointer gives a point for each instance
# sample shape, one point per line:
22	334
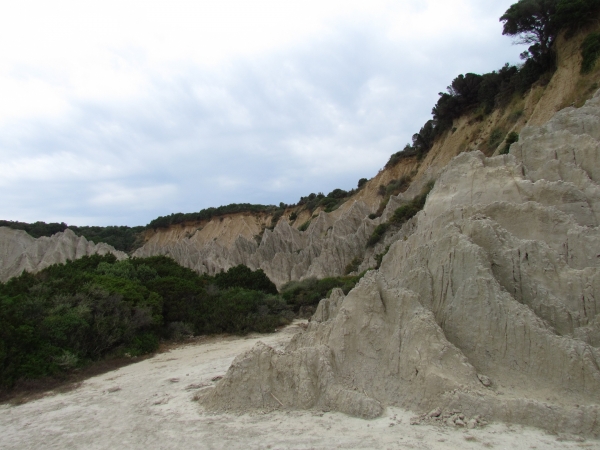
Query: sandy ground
149	405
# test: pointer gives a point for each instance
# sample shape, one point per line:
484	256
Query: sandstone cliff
335	239
490	306
20	252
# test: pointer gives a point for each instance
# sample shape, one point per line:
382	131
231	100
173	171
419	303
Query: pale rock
435	413
500	274
484	380
20	252
330	243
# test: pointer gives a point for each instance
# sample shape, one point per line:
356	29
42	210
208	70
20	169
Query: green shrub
243	277
310	291
515	116
353	265
510	139
275	218
404	213
122	238
377	234
142	344
401	215
304	226
394	187
71	314
329	203
495	138
590	50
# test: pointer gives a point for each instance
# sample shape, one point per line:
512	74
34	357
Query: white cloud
117	195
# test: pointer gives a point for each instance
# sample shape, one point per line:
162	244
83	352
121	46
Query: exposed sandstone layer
490	305
331	242
20	252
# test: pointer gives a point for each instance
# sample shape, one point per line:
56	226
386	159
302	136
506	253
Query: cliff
485	302
335	239
489	306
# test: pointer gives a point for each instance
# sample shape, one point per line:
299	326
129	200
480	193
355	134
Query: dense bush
275	218
243	277
573	15
308	292
377	234
353	265
379	256
70	314
590	50
304	226
37	229
123	238
330	201
512	137
496	137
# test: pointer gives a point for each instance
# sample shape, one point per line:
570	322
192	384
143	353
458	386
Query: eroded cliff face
490	306
20	252
335	239
284	253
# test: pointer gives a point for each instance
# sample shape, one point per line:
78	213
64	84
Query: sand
151	405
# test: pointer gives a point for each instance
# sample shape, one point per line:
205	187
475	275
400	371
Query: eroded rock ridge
331	242
20	252
489	306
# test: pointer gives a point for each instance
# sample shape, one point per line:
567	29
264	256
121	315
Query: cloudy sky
116	112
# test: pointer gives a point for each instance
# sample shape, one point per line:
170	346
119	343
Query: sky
117	112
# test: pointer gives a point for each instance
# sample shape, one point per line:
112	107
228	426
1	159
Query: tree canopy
533	22
538	23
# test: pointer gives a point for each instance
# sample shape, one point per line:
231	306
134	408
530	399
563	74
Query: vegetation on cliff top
209	213
122	238
533	22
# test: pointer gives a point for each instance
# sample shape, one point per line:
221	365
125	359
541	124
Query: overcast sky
116	112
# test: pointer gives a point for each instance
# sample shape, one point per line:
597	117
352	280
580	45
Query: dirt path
149	405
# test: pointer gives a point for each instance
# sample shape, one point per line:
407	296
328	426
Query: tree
535	23
575	14
243	277
466	88
424	139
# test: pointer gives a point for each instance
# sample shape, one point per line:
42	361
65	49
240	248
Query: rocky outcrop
490	306
20	252
329	244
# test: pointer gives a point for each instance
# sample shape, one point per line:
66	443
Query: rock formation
20	252
331	242
489	306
